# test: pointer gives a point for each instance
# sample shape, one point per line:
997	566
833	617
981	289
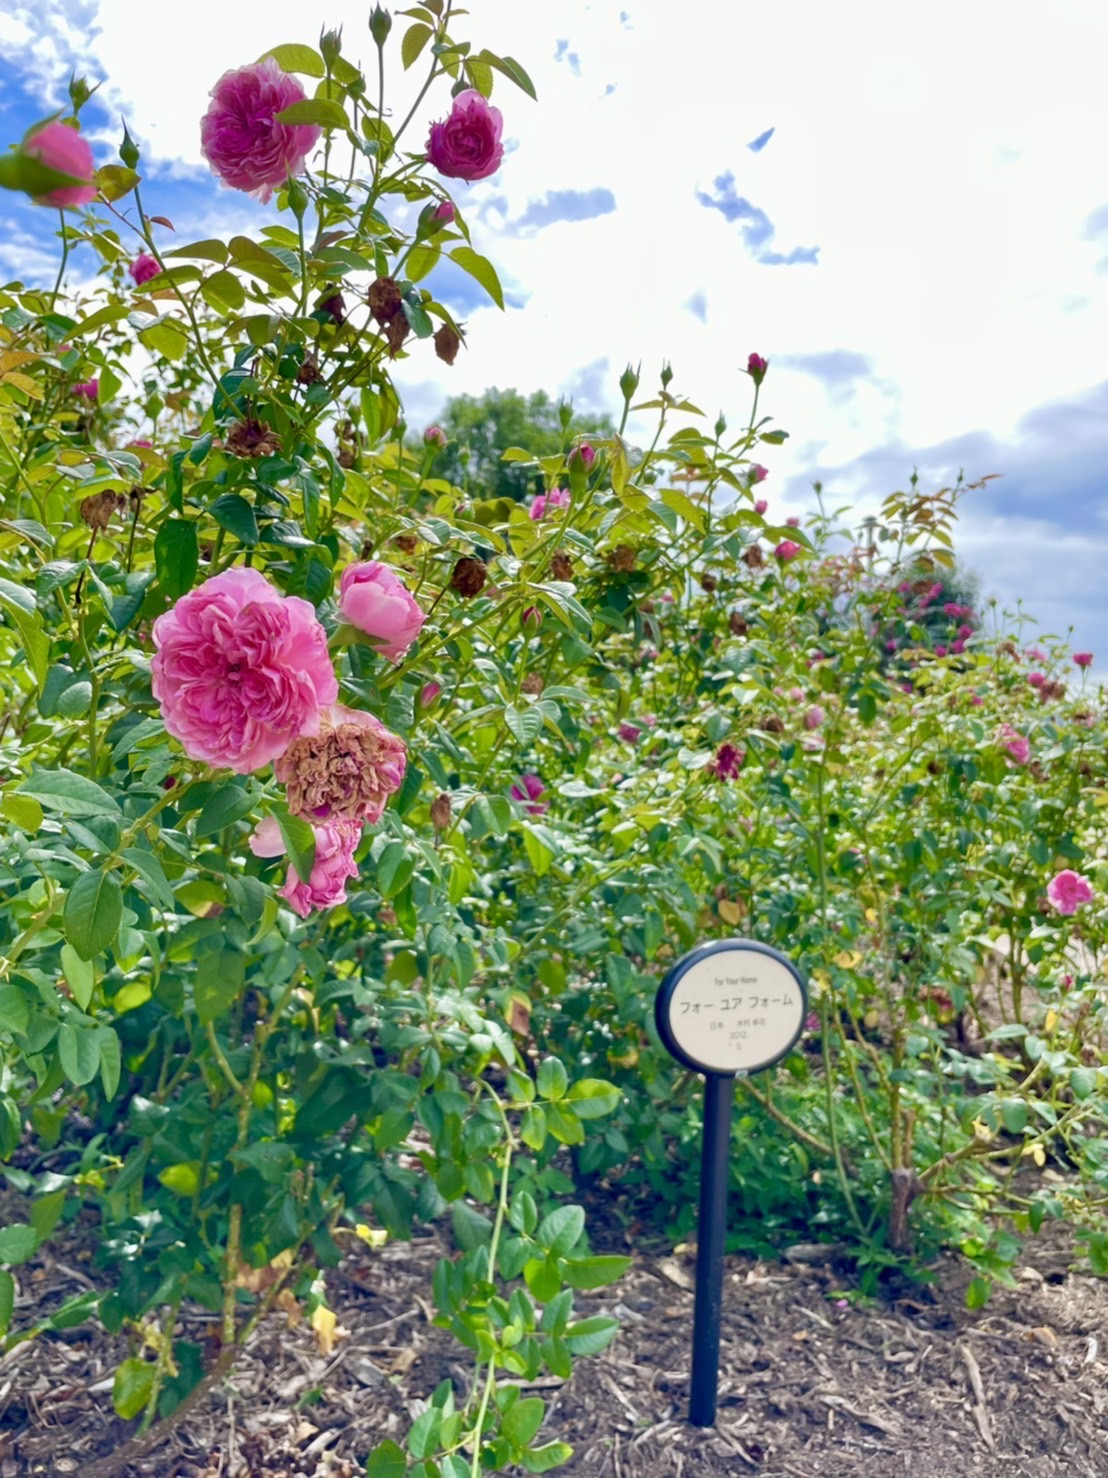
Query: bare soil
813	1384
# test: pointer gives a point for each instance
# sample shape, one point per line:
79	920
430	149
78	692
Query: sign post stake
711	1232
728	1008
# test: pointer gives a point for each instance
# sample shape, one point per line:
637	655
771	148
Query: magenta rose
527	790
240	136
90	389
1068	890
555	498
728	761
429	696
1083	659
466	146
143	268
787	550
62	148
376	601
335	845
761	506
759	473
241	671
344	772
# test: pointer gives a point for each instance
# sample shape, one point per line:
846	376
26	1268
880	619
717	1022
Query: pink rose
1068	891
376	601
629	733
90	389
759	473
241	671
814	717
1018	747
761	506
1036	654
555	498
240	137
959	646
1083	659
335	845
728	762
434	436
787	550
756	368
1036	679
143	268
62	148
527	789
344	772
890	645
940	650
466	146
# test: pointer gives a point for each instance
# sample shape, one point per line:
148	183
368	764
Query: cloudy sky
891	205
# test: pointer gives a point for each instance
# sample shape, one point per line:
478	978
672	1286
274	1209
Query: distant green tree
482	427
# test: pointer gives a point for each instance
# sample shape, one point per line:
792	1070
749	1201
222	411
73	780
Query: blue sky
907	228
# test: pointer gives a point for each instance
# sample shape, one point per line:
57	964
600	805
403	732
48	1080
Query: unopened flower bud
444	212
565	414
440	812
584	454
721	426
531	621
330	46
629	382
429	696
756	368
434	436
79	94
128	149
380	24
667	374
298	199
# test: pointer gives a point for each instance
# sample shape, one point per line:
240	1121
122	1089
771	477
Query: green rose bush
350	819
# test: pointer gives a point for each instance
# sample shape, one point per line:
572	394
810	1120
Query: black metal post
711	1229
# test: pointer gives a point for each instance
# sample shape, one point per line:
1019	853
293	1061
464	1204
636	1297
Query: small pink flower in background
1068	890
761	506
756	368
62	148
239	135
796	695
376	601
940	650
1083	659
466	146
787	550
1018	747
346	771
143	268
959	646
1036	679
904	587
728	762
434	436
630	733
583	453
1036	654
444	212
335	845
811	1022
758	473
141	441
429	695
555	498
890	645
240	670
964	632
667	596
977	701
814	717
793	522
527	789
1067	982
90	389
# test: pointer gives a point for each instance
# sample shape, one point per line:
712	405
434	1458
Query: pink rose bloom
787	550
527	789
1068	891
964	632
434	436
583	453
344	772
90	389
376	601
444	212
240	137
62	148
143	268
940	650
959	646
630	733
1036	679
903	588
466	146
814	717
555	498
728	762
335	845
1083	659
1037	654
761	506
241	671
796	695
1018	747
793	523
758	473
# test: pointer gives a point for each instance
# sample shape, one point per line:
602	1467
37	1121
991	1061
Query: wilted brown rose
622	559
440	812
533	684
309	371
708	582
772	724
469	576
753	557
384	300
97	508
396	333
561	566
251	438
407	542
738	624
447	343
347	457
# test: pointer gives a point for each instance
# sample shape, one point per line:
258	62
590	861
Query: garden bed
813	1385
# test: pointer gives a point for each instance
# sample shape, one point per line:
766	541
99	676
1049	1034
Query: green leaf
552	1078
592	1098
394	870
220	976
522	1420
1013	1114
481	269
71	794
542	1278
103	316
1083	1082
7	1302
23	172
524	725
977	1294
204	251
415	39
299	839
79	974
177	556
93	910
167	337
79	1052
323	111
46	1212
561	1230
134	1381
235	514
17	1243
1098	1253
508	67
111	1061
225	288
36	644
533	1128
15	1015
538	853
25	812
150	870
226	805
549	1455
387	1460
594	1272
116	180
421	259
296	58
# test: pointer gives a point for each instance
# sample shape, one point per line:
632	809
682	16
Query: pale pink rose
466	146
335	845
62	148
240	137
434	436
814	717
793	522
555	498
1018	747
90	389
761	506
527	789
241	671
1068	890
143	268
1083	659
376	601
346	771
787	550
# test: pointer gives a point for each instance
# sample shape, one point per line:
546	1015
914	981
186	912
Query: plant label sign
724	1010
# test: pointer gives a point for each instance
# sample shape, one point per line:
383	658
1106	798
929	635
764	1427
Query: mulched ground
810	1387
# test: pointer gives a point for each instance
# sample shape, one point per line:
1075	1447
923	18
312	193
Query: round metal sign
731	1008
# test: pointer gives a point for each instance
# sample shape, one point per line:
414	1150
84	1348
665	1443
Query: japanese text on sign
736	1011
